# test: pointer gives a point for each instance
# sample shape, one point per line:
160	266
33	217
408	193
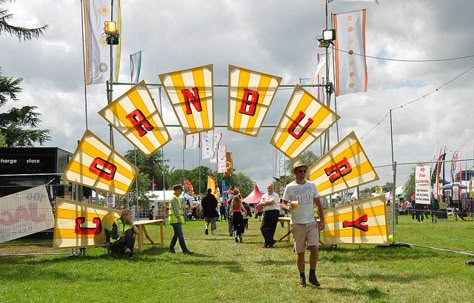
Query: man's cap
297	165
176	186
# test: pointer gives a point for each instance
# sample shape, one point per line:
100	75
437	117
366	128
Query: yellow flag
250	96
304	120
191	95
134	115
212	184
81	224
345	166
95	164
361	222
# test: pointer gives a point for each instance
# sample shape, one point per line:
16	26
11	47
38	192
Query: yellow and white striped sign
304	120
95	164
134	115
191	95
81	224
361	222
250	96
345	166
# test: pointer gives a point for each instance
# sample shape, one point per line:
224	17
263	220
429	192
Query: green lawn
225	271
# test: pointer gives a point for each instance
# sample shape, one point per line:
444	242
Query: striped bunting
345	166
191	95
95	164
304	120
361	222
134	115
81	224
250	96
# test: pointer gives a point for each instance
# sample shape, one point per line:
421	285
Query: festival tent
254	196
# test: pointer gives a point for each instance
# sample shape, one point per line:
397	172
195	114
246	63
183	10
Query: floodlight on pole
110	29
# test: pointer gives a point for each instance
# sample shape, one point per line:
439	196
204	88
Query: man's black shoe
314	282
188	252
302	282
171	250
270	245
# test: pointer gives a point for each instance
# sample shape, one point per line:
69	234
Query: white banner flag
206	146
215	147
221	159
191	141
96	48
135	66
351	67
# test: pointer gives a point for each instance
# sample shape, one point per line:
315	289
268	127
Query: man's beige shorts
305	235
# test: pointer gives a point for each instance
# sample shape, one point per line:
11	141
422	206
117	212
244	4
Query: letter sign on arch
135	116
190	92
95	164
303	121
250	96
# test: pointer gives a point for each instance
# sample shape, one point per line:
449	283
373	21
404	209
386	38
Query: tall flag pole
84	64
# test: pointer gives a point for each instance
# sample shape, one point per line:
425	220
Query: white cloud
276	37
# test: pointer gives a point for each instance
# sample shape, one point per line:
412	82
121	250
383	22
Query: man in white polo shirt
271	211
299	198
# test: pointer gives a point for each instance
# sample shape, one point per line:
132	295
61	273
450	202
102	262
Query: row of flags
350	68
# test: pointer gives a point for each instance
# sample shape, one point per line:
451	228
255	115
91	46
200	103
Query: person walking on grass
271	211
237	212
299	198
176	219
209	209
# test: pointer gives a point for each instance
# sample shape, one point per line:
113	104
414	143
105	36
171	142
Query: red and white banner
25	213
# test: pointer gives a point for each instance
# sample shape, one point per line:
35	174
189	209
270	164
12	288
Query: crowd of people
299	199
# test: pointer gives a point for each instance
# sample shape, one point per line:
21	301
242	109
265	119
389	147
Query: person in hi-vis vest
176	219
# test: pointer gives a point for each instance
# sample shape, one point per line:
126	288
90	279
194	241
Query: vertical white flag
97	52
135	66
215	147
191	141
206	145
221	159
351	67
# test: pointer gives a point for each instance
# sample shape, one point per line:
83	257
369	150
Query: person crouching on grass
298	198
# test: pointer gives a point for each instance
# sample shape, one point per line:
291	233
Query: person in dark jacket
209	209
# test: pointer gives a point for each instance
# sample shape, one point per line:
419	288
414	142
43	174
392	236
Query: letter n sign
191	98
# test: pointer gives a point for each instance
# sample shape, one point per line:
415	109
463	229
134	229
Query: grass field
224	271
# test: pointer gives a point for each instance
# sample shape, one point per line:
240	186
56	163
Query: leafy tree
21	32
153	166
307	157
2	140
13	123
410	184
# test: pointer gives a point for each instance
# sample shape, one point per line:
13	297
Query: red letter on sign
103	169
295	123
88	230
139	121
189	97
252	104
338	170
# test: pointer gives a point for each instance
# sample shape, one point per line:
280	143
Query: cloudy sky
271	36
